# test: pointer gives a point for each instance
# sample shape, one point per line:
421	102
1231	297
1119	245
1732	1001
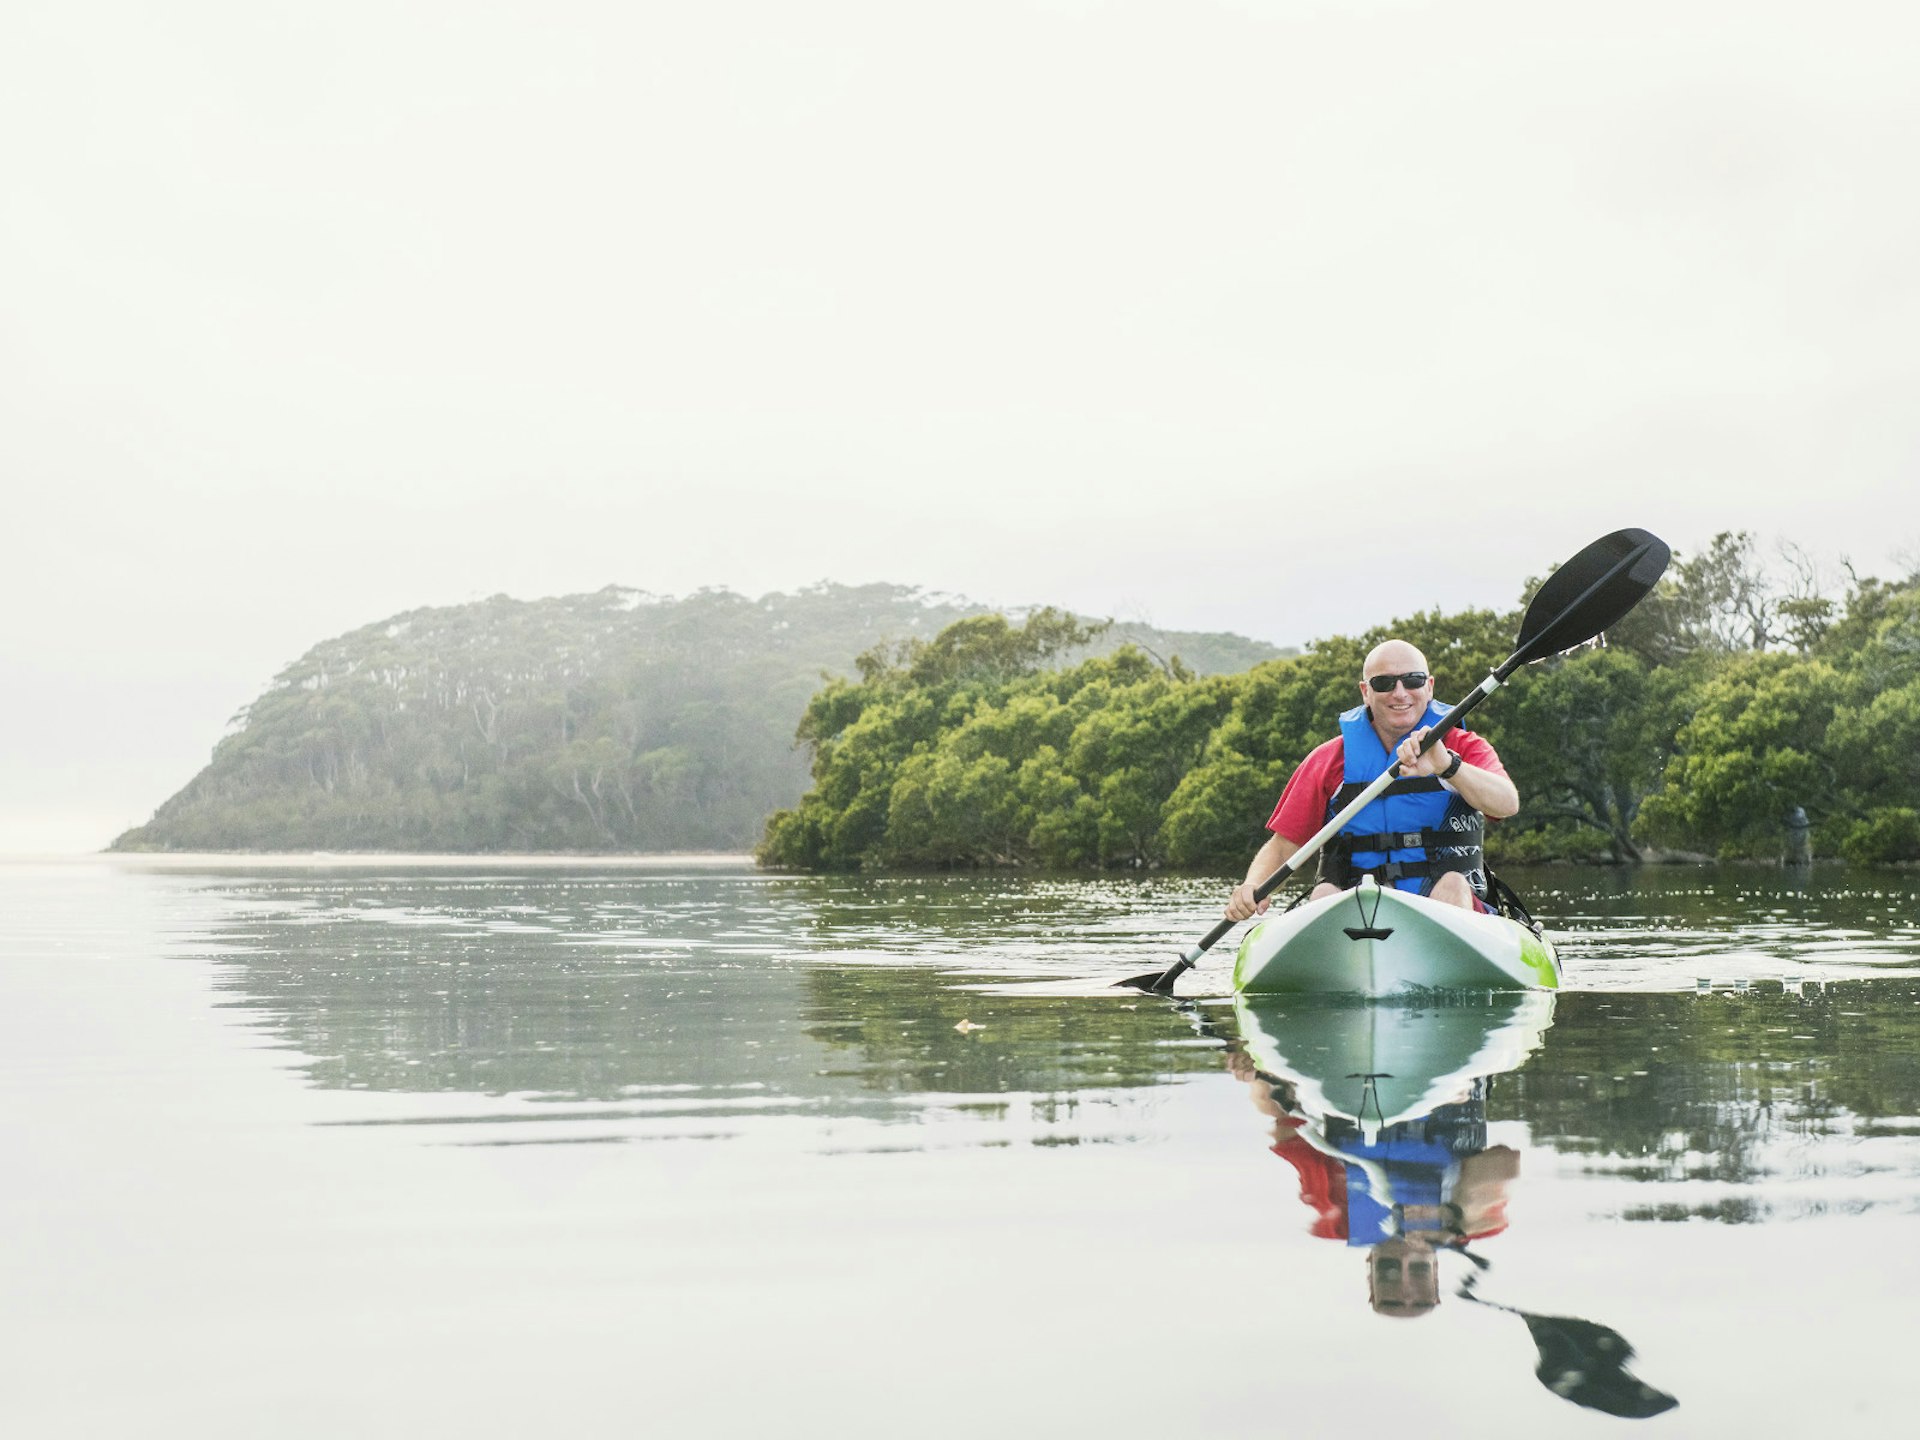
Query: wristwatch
1447	774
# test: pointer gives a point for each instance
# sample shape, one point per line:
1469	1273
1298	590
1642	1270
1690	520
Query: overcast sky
1275	317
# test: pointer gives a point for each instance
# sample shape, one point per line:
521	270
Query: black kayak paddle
1589	593
1583	1362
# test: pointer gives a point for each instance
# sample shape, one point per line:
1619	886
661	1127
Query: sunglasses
1413	680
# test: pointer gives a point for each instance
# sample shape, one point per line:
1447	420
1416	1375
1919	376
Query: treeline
1738	693
614	721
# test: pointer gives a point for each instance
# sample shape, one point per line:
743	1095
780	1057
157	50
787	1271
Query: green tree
1756	746
1213	814
1587	737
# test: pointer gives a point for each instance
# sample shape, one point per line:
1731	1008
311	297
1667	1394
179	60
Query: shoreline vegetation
1748	710
1745	711
716	860
442	860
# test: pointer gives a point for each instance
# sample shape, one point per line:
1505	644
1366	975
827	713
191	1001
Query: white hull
1373	942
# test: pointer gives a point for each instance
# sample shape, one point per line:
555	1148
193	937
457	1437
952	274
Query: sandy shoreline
361	860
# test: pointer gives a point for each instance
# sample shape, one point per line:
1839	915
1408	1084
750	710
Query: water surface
698	1150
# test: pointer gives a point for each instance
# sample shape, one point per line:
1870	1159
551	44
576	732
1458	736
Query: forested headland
613	721
1741	691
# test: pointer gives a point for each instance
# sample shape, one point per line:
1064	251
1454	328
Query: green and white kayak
1373	942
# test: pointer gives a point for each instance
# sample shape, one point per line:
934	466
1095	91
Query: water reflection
1584	1362
1381	1109
620	1006
837	1134
1373	1064
1735	1106
1665	927
608	1007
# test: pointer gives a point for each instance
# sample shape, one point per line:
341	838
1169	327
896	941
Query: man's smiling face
1398	710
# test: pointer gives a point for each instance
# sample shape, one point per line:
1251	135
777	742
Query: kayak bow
1374	942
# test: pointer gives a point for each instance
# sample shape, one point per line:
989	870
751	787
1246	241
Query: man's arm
1270	857
1302	808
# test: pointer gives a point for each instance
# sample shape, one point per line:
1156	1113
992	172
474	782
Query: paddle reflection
1381	1110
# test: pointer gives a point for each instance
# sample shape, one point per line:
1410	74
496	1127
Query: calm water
691	1150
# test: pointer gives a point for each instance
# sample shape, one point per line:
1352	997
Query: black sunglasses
1413	680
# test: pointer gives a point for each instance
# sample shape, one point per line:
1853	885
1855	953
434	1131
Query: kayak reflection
1380	1107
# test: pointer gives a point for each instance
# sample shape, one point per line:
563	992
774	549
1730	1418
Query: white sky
1274	317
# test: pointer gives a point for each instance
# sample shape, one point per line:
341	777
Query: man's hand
1491	794
1273	854
1412	762
1240	904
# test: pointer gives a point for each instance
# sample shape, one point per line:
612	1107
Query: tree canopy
877	727
1738	693
616	720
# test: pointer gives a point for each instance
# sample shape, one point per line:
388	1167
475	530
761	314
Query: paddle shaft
1333	827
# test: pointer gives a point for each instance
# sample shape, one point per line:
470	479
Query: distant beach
360	860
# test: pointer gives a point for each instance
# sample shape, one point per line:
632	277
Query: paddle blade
1590	592
1581	1361
1158	982
1587	1364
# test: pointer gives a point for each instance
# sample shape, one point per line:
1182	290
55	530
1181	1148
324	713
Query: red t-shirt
1323	1183
1303	804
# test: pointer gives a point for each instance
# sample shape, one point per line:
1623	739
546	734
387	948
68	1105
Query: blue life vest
1421	1159
1421	1174
1414	832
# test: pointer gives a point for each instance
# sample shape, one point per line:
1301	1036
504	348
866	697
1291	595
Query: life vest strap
1405	785
1389	871
1445	852
1415	839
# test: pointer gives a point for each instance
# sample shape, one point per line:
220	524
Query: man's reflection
1412	1187
1401	1190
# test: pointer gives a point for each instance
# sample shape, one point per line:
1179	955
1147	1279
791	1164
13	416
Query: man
1437	803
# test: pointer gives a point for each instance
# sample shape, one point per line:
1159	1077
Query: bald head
1403	1278
1391	657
